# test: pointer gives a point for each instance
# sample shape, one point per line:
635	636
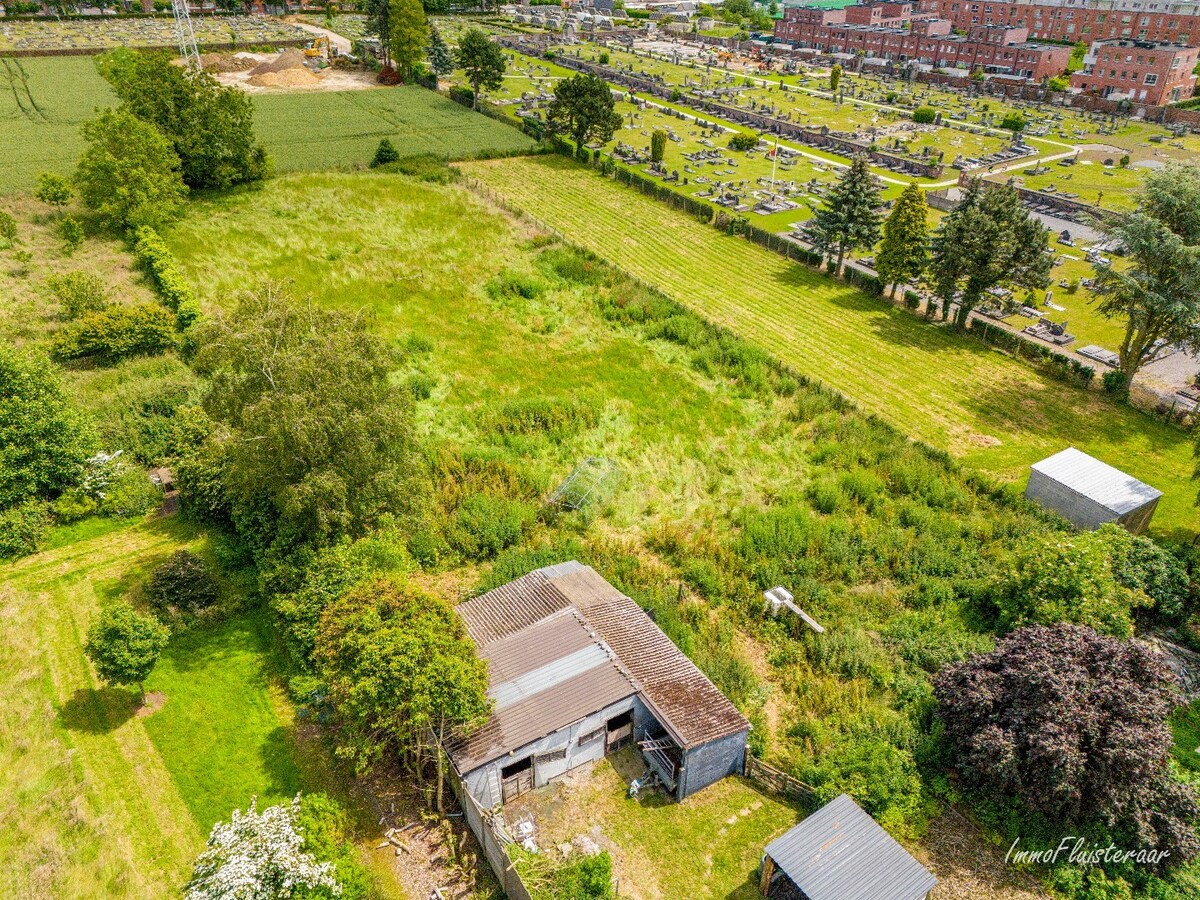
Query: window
551	756
1151	78
591	736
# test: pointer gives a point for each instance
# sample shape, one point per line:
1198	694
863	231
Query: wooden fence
779	782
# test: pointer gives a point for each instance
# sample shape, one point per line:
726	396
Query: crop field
43	101
102	34
322	130
991	411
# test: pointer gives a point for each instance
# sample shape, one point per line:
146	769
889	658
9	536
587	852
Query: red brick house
1142	71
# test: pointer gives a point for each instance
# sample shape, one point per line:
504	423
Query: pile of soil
288	59
224	62
300	77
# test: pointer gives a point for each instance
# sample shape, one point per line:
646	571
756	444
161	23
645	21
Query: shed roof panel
1097	481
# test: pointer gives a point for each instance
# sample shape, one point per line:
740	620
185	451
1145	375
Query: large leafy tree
128	172
401	669
904	252
848	219
1072	724
124	645
311	440
44	440
1155	288
990	239
210	127
482	60
583	108
408	35
260	856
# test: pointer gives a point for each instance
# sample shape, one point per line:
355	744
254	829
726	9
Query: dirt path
341	43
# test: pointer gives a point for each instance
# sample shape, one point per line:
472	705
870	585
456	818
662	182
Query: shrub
22	528
745	140
8	229
117	332
603	58
78	293
385	153
184	583
924	115
510	285
157	261
327	835
71	232
53	189
483	525
130	495
1116	383
1014	121
570	264
420	385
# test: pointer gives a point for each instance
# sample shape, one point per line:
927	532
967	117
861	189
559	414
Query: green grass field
42	104
100	801
993	412
43	101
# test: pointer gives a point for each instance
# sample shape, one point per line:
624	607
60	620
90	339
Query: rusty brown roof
542	635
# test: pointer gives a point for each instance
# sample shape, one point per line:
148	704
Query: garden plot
103	34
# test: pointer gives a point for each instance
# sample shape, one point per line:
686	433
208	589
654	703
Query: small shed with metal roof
1088	493
577	670
841	853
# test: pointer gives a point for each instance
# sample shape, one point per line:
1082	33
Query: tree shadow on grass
278	753
99	710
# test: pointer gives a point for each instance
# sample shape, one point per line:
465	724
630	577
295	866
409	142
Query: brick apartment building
1143	71
1078	20
929	41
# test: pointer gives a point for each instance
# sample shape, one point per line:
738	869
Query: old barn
576	671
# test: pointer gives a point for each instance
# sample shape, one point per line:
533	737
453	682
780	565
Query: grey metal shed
1088	493
841	853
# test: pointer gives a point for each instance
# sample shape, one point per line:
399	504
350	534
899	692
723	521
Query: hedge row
158	262
1056	364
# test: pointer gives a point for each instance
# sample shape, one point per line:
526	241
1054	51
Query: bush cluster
182	584
79	293
158	262
116	333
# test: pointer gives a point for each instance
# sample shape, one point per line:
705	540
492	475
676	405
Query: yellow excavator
318	48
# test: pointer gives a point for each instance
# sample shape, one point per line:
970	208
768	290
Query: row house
994	50
1078	20
1143	71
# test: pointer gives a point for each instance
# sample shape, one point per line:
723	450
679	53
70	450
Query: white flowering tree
259	856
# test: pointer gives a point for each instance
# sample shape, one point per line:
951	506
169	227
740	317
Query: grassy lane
88	808
988	409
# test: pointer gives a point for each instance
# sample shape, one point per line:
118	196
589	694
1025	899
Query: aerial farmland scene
593	449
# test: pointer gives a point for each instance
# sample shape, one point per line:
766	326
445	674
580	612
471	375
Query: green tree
441	63
408	35
988	240
835	77
311	441
128	173
54	189
401	670
210	126
658	145
924	115
583	108
904	252
848	219
124	645
483	62
1154	289
385	153
379	24
44	441
1013	121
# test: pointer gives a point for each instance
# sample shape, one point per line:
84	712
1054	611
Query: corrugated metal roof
841	853
1098	481
561	643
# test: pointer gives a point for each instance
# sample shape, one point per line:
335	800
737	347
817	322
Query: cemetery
53	36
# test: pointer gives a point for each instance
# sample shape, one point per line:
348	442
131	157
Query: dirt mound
287	78
288	59
224	62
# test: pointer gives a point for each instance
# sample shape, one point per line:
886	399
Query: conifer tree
848	220
904	253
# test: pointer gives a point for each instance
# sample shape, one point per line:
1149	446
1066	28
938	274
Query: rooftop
1098	481
561	642
841	853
